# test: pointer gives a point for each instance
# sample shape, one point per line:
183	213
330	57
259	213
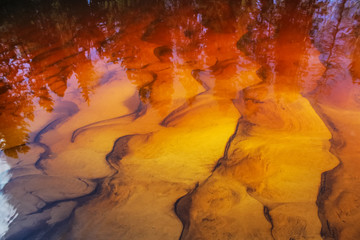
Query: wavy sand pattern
182	120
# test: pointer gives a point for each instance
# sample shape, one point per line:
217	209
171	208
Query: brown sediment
330	201
229	97
119	150
182	209
338	198
291	216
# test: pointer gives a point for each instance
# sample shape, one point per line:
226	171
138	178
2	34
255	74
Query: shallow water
188	119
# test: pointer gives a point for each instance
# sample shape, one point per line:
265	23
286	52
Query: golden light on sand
181	120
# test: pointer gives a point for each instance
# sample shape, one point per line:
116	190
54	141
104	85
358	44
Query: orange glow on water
181	120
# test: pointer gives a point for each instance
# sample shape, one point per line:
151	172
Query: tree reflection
41	47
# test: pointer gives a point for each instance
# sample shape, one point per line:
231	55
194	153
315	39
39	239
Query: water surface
169	119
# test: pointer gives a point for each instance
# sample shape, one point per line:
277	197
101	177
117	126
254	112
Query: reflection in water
7	211
180	119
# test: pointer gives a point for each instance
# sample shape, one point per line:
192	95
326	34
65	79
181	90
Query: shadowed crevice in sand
181	111
191	105
269	219
41	224
37	225
44	155
195	74
325	190
140	111
183	205
243	126
50	208
182	210
120	150
71	109
52	125
45	219
328	178
338	197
